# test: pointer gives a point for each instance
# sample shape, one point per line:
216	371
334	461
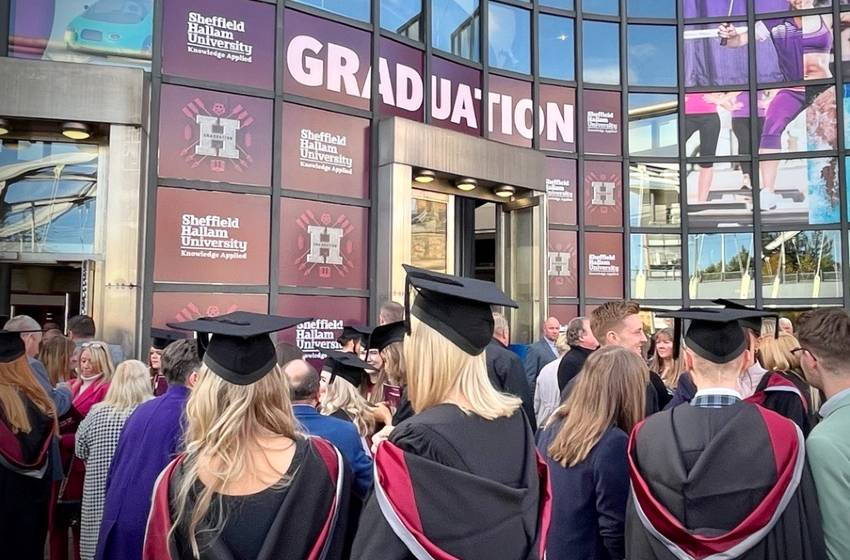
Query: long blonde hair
56	355
393	356
671	369
776	355
342	395
99	353
224	422
129	386
17	382
609	391
436	368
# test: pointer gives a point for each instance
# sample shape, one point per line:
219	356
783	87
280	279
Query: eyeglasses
802	349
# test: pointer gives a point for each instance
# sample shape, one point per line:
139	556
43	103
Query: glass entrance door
432	231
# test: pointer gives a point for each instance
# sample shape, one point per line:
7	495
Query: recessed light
425	176
76	130
466	184
504	191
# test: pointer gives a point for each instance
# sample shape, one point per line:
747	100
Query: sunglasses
100	345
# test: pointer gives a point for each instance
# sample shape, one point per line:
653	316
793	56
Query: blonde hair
671	369
393	356
561	344
342	395
436	368
56	356
776	353
609	391
99	354
17	382
130	386
224	421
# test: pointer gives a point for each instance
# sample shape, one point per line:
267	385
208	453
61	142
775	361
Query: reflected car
113	27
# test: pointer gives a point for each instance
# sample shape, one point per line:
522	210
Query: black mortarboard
385	335
240	349
716	335
11	345
345	365
752	323
160	338
457	307
356	331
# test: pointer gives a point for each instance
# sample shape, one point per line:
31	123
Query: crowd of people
725	433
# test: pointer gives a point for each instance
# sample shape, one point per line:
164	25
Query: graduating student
461	478
160	338
721	477
354	338
343	374
243	454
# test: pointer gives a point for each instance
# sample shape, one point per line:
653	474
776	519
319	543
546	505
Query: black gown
473	487
728	480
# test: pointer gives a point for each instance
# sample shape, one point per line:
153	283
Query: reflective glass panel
791	49
652	55
721	266
655	269
799	191
654	195
510	38
605	7
455	27
556	47
801	264
355	9
601	48
402	17
651	8
653	124
709	61
563	4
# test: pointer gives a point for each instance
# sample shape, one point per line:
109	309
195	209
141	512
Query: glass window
799	191
797	119
655	270
604	7
719	194
792	49
601	48
429	231
653	124
355	9
510	38
563	4
48	202
768	6
718	124
652	55
654	195
603	193
652	8
402	17
708	62
116	32
713	8
801	264
556	47
721	266
847	113
455	27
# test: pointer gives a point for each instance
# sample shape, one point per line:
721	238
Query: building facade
192	157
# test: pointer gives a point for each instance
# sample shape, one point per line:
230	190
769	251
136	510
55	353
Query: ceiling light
466	184
4	127
75	130
425	176
504	191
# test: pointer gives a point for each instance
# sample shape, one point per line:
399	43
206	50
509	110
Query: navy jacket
506	374
589	499
539	354
345	437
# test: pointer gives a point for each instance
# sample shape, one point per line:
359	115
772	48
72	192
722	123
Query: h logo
603	193
217	137
559	263
324	239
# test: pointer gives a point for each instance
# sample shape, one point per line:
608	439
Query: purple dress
152	437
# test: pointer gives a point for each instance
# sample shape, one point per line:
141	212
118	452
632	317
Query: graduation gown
309	525
25	485
454	486
730	482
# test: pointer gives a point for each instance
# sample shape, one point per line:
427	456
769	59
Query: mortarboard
345	365
240	349
457	307
716	335
752	323
356	331
385	335
12	345
160	338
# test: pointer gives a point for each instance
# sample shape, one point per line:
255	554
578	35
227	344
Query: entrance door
432	231
50	294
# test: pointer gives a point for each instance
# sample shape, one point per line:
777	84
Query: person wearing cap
385	353
720	477
160	338
505	368
461	478
354	338
27	425
152	436
343	375
244	453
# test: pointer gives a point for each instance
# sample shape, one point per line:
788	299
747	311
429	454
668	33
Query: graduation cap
239	349
11	345
752	323
160	338
457	307
716	335
345	365
385	335
355	331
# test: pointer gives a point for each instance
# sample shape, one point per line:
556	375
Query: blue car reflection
113	27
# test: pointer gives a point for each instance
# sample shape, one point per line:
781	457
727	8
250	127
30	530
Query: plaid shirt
714	400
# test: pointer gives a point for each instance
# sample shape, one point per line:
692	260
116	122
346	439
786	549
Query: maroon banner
212	136
563	313
561	190
455	96
228	41
325	60
401	89
325	152
602	123
510	111
557	122
175	307
603	272
211	237
562	263
323	245
329	314
603	193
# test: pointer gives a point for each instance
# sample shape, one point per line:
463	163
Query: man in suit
304	391
505	368
824	353
543	351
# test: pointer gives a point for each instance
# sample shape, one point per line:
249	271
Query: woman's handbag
68	511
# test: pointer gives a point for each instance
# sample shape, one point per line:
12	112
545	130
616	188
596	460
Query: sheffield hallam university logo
217	135
559	264
325	244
